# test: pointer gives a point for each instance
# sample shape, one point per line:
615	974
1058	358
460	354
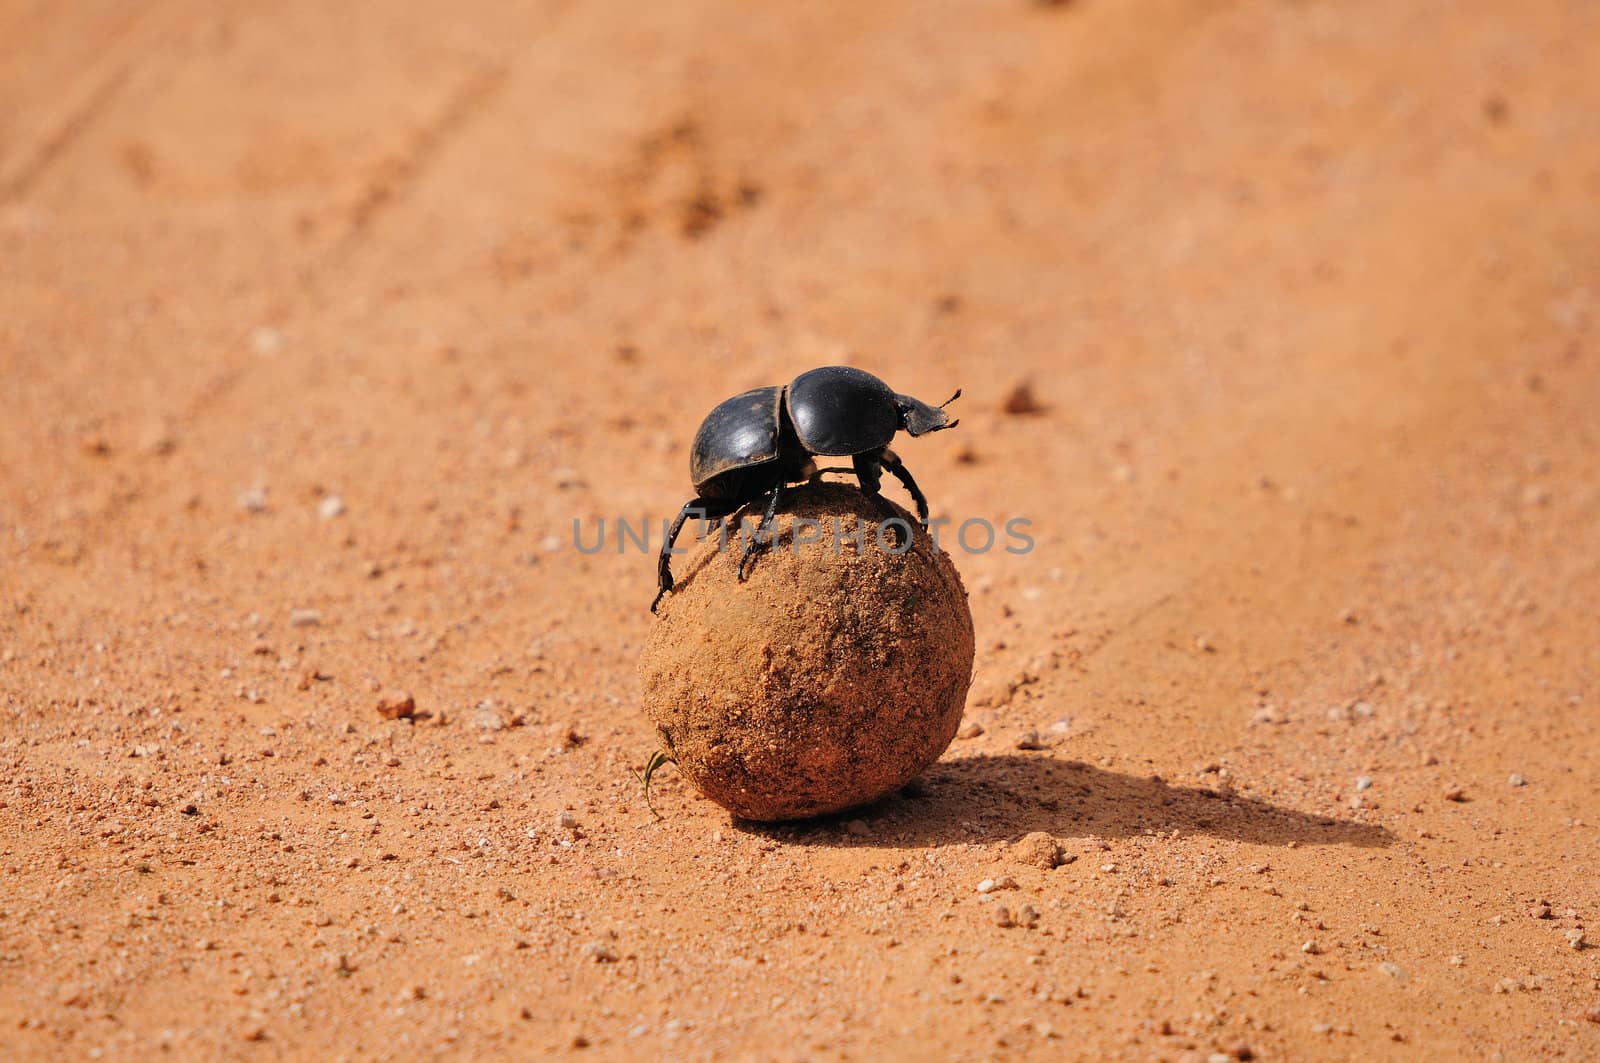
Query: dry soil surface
322	323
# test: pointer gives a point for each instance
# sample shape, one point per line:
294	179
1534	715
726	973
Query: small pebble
397	705
305	617
486	716
970	729
1002	917
1364	783
1575	938
1454	793
1021	400
330	507
1393	970
1030	740
1516	780
1038	849
253	500
566	821
1539	911
1311	948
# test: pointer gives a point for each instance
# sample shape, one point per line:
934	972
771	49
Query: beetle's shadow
1001	798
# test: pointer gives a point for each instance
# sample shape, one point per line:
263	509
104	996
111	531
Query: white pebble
330	507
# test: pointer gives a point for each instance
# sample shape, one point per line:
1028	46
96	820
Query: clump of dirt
833	675
1040	850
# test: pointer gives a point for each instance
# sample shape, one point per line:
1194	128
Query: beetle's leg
816	477
664	562
763	535
869	473
897	468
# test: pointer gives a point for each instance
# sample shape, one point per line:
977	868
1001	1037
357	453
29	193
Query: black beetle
753	445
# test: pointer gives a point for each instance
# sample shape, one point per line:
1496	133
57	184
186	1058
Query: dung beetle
756	443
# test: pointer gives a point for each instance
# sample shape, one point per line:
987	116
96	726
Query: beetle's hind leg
707	510
763	535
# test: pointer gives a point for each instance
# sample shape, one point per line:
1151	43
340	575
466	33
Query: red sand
1308	293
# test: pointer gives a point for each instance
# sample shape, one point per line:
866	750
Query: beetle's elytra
753	445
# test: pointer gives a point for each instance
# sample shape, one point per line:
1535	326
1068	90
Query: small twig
651	766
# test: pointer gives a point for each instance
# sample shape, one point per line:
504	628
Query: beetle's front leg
869	473
897	468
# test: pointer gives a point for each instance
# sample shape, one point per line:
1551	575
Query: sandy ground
322	323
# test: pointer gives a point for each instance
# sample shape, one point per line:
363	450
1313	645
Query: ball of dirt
834	674
1038	849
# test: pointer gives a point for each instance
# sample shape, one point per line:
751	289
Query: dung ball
832	675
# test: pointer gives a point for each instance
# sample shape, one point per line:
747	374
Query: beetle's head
918	418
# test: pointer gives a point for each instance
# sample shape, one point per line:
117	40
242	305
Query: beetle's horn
918	418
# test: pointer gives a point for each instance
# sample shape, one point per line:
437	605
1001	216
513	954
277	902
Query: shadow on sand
1002	798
